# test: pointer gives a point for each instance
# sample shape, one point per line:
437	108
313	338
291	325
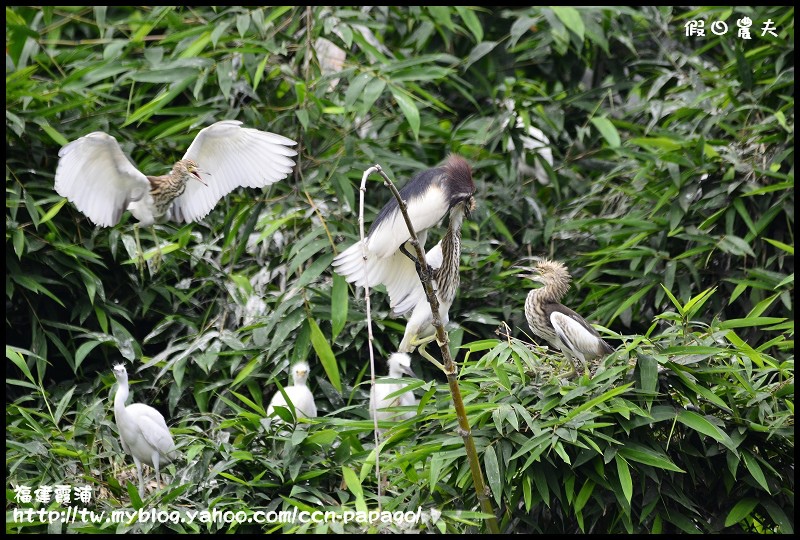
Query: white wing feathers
406	290
230	156
424	212
386	265
97	177
574	336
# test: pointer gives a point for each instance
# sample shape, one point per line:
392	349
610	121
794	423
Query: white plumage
385	261
429	196
576	339
298	393
379	400
142	431
96	176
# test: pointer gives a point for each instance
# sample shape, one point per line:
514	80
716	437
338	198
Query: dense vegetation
662	174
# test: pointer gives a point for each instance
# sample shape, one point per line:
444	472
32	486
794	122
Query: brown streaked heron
97	177
554	322
429	196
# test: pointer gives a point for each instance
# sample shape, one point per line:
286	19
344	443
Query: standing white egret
97	177
142	431
399	365
298	393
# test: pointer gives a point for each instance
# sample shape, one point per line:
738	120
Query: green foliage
662	174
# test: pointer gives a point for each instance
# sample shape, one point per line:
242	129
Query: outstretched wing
95	175
396	271
230	156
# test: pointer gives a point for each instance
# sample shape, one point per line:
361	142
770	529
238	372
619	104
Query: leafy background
658	167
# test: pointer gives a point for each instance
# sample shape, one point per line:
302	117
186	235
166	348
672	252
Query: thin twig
363	190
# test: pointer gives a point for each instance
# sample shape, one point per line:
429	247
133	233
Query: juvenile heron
142	431
429	196
399	364
301	397
96	176
561	327
444	259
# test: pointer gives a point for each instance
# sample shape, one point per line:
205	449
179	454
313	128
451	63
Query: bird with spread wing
98	178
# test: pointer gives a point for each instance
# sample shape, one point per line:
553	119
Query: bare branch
363	190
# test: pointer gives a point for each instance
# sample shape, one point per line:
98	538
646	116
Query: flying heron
142	430
560	326
96	176
429	197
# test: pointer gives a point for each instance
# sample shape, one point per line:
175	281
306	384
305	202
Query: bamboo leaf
409	109
493	473
471	21
647	456
608	131
339	305
624	475
323	349
751	462
571	18
698	423
741	511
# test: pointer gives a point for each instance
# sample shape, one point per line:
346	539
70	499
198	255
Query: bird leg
574	371
141	477
156	260
405	252
422	343
155	464
504	331
140	262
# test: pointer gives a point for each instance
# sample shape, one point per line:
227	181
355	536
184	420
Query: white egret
379	400
142	431
298	393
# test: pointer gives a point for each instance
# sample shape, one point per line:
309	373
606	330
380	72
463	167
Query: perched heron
561	327
142	431
429	196
298	393
95	175
379	400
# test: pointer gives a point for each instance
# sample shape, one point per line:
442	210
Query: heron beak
408	371
528	273
196	174
469	207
